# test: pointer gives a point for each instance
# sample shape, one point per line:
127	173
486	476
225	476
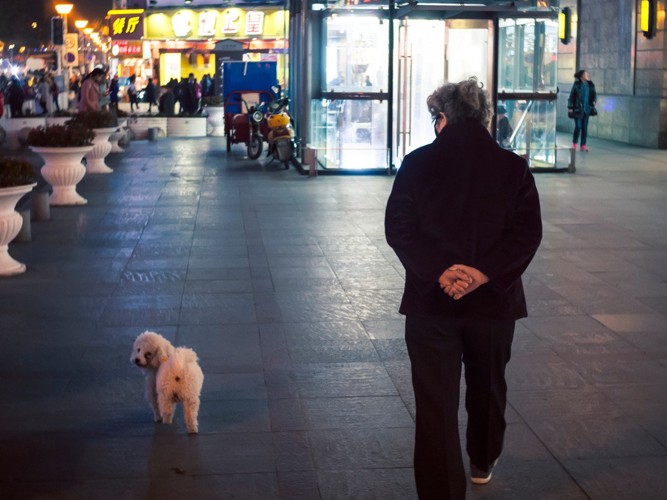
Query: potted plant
103	124
17	178
62	148
214	106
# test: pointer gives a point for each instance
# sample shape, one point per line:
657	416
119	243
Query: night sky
91	9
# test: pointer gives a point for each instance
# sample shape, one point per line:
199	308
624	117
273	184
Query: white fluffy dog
172	374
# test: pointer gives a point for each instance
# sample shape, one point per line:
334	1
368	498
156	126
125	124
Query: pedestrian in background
581	106
464	219
132	93
90	91
150	95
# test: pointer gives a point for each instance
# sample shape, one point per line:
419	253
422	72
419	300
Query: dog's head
150	349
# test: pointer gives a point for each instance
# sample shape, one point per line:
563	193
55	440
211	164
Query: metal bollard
310	159
40	205
25	234
153	134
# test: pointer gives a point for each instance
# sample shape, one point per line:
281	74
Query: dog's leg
151	396
166	407
191	412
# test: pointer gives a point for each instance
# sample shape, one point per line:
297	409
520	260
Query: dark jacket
575	104
464	200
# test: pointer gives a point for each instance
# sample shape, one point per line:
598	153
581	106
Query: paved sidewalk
285	287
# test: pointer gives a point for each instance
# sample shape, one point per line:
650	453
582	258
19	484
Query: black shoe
478	476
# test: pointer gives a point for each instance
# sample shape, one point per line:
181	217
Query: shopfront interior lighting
647	17
565	25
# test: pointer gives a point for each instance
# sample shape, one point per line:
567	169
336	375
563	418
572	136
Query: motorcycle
255	140
281	136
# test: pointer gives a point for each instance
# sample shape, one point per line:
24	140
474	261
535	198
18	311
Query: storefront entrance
429	53
362	96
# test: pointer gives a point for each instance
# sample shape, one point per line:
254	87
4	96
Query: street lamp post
80	25
63	9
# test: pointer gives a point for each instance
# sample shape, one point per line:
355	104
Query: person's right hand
476	279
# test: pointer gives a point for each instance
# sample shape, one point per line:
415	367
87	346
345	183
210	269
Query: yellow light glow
64	8
88	31
80	24
644	15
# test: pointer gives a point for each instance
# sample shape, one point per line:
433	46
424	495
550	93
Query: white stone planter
101	148
57	120
216	120
10	225
116	136
139	125
191	126
63	170
16	127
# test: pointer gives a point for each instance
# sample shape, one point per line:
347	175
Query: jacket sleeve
572	100
421	257
511	255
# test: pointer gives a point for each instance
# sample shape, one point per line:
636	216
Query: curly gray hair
460	101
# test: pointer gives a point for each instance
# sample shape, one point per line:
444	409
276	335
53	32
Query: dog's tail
182	356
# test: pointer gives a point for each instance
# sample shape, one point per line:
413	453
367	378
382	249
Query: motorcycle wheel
255	147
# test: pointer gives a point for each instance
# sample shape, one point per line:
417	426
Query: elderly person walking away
90	91
464	219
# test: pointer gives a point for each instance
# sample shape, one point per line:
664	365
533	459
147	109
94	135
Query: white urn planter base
116	136
101	148
10	225
63	171
215	121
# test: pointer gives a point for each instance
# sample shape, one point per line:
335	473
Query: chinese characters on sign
126	25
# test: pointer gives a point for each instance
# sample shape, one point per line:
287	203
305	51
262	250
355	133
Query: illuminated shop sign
126	24
120	48
219	24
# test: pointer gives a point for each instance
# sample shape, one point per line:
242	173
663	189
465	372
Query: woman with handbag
581	106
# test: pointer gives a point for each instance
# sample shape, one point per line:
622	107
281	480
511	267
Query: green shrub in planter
95	119
16	172
71	135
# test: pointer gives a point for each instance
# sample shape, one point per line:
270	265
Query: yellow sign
126	24
188	24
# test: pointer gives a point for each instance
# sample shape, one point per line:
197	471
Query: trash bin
153	134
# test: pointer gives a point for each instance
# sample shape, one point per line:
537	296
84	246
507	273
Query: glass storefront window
356	54
533	130
528	52
349	133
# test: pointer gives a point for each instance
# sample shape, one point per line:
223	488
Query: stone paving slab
285	287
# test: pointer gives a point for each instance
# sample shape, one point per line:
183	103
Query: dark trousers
580	125
437	346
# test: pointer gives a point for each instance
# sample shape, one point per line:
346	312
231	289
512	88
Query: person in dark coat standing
464	219
15	97
150	96
581	106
